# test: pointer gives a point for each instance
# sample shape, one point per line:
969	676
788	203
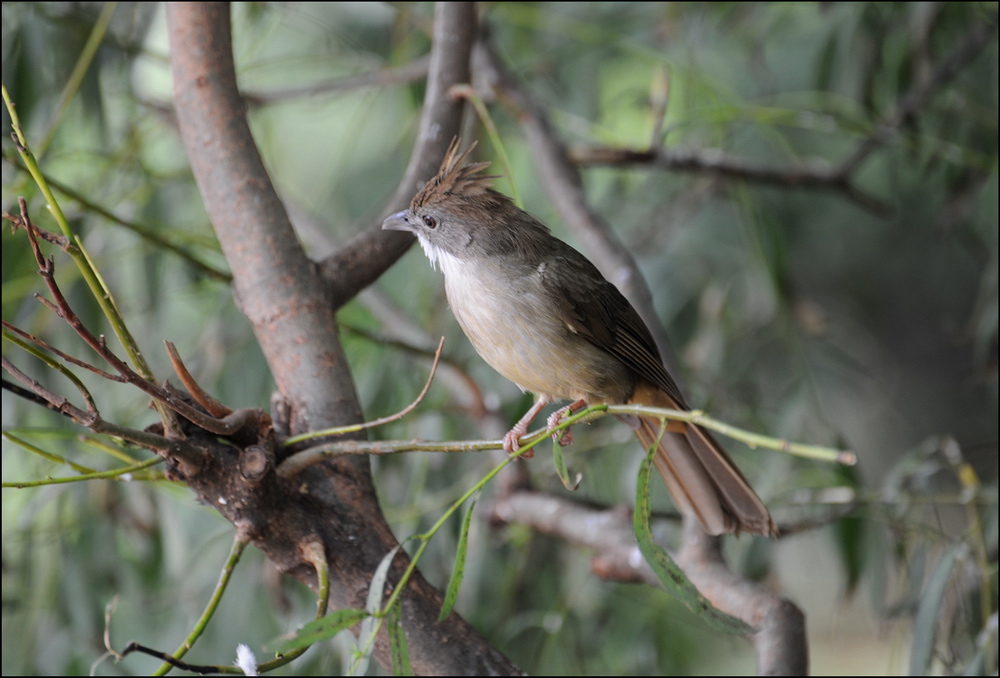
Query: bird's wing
594	309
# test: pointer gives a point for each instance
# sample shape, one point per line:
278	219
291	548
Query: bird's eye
430	222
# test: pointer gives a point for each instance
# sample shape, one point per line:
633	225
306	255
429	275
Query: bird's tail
701	477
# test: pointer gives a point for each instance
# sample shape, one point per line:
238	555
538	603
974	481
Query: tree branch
393	75
368	255
714	161
780	642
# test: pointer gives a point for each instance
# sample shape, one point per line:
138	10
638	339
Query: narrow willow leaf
321	629
369	627
925	626
671	576
562	471
397	642
457	572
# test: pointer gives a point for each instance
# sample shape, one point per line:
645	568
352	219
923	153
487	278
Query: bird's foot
565	437
512	441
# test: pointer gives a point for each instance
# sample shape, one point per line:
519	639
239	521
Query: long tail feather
702	479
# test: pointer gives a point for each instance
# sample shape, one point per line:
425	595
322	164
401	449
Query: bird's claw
512	443
563	438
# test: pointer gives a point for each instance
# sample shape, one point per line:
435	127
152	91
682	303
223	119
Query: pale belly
533	349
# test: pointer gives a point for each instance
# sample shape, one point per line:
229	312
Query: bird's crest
455	179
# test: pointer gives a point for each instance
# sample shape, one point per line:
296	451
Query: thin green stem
457	504
754	440
235	551
98	289
317	556
55	458
149	233
117	453
300	460
79	71
114	474
469	93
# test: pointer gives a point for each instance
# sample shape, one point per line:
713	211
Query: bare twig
393	75
60	306
95	423
211	405
65	356
201	669
22	221
30	396
89	417
381	421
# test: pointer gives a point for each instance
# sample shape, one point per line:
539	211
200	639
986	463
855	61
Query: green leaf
369	627
671	576
322	629
850	534
560	461
455	582
397	642
925	626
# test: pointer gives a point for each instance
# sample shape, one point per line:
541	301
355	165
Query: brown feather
454	179
701	477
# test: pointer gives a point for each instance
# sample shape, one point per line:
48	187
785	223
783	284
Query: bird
542	315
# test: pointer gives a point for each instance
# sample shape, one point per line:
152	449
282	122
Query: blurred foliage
797	313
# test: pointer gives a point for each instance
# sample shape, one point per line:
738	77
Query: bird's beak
397	222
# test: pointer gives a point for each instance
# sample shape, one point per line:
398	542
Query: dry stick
61	307
95	423
714	161
59	403
41	343
211	405
30	396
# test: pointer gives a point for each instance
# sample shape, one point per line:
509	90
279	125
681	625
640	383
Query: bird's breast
506	313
